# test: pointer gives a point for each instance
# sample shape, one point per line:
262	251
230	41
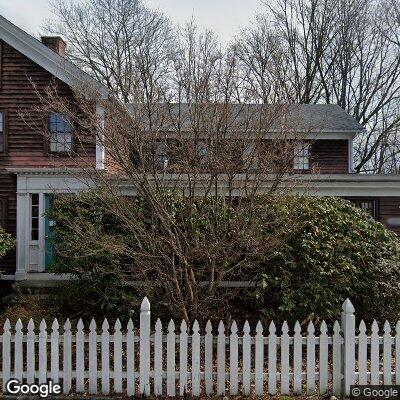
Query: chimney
55	43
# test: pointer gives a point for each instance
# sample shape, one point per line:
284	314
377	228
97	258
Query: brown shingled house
31	168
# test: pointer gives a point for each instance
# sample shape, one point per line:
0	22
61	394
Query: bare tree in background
390	12
259	55
122	43
306	29
301	51
342	52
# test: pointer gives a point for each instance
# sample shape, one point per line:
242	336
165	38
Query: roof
321	118
310	118
35	50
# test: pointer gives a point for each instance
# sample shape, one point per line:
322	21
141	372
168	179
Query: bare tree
122	43
196	163
366	82
307	29
390	10
343	52
259	54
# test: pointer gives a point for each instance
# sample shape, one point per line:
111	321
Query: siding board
330	156
25	145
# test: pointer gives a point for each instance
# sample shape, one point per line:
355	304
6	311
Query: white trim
42	238
36	51
50	180
350	155
22	245
100	147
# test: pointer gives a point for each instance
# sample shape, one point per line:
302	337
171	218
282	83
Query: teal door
48	225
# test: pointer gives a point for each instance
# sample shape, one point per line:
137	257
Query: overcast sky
223	16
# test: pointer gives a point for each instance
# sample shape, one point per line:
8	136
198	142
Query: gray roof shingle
316	118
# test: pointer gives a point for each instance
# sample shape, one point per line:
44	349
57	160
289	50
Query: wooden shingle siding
330	156
26	147
389	209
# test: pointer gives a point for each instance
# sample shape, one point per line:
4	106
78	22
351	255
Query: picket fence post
348	356
130	359
144	344
6	354
196	360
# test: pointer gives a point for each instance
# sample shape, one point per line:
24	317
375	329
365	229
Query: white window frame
301	159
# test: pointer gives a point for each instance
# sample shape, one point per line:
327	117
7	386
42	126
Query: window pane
161	156
35	199
367	205
35	223
301	156
60	133
35	234
35	211
35	216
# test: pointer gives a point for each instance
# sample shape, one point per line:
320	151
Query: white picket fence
146	363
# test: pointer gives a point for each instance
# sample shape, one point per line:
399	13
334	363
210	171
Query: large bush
334	251
88	242
307	254
6	242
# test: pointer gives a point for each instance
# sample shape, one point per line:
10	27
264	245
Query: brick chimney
55	43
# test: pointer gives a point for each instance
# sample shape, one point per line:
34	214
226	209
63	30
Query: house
32	168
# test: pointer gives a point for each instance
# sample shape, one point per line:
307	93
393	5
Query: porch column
22	235
42	238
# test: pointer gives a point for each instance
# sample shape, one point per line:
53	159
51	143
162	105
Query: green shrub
96	264
308	255
334	251
6	242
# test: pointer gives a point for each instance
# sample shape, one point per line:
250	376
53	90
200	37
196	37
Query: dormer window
60	133
301	160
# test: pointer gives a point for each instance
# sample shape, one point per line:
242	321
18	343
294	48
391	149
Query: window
3	213
301	159
35	216
369	206
201	152
3	138
161	156
60	133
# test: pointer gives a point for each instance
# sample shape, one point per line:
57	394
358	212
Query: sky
225	17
